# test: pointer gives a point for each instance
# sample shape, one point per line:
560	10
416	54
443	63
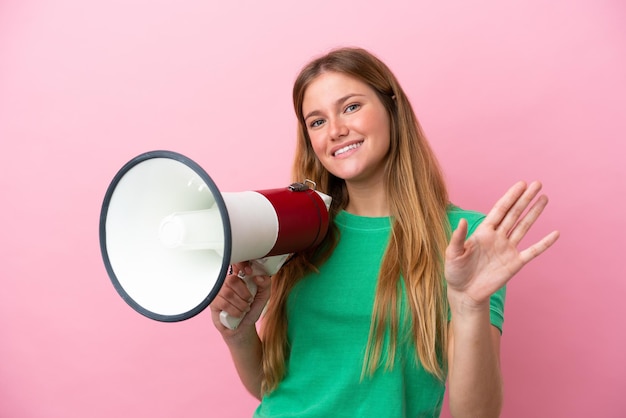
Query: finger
528	220
502	206
234	308
238	284
263	283
456	246
263	294
515	212
231	301
539	247
234	292
243	267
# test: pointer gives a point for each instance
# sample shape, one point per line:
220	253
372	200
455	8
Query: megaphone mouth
141	229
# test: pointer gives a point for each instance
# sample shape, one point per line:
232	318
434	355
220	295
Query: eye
316	123
352	108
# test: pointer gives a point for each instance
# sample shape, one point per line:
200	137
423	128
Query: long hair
413	260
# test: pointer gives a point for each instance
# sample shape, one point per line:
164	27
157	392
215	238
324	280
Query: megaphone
168	235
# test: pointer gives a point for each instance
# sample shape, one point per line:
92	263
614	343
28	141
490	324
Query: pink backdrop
504	90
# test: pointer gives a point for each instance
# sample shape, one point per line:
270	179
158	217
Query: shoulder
455	214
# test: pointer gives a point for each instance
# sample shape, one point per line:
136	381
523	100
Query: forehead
327	87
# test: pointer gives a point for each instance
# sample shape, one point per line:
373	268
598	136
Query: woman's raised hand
478	266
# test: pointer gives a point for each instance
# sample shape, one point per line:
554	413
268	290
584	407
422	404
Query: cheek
375	122
384	132
317	145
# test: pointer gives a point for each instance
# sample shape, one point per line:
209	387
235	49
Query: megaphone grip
266	266
232	322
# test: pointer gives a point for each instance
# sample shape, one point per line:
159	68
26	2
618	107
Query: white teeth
347	148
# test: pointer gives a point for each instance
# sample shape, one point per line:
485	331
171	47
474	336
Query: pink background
505	91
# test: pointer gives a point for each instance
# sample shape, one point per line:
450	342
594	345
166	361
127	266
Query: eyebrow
337	102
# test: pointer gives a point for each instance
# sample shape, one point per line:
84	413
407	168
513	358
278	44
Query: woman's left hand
478	266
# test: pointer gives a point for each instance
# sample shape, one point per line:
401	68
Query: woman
396	300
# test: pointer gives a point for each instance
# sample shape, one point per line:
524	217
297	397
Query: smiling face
348	127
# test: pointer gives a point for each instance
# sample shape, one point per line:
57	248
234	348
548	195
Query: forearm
474	378
247	352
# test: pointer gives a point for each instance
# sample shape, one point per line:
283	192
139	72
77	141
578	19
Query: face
348	127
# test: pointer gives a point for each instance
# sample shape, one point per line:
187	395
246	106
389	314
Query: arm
474	377
244	343
246	352
476	268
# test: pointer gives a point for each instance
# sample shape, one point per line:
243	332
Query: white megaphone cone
168	236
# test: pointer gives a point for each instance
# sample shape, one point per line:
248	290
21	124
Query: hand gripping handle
232	322
261	267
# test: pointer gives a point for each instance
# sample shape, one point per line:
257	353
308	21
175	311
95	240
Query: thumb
264	284
456	246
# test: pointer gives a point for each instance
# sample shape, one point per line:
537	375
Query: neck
367	200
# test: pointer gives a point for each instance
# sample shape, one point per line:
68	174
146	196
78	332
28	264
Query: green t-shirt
329	320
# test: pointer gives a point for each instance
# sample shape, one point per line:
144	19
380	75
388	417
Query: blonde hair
417	198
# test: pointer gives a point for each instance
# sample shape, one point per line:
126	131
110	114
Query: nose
338	129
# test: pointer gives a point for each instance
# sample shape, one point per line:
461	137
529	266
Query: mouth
347	148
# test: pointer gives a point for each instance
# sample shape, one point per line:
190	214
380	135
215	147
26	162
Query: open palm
481	264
